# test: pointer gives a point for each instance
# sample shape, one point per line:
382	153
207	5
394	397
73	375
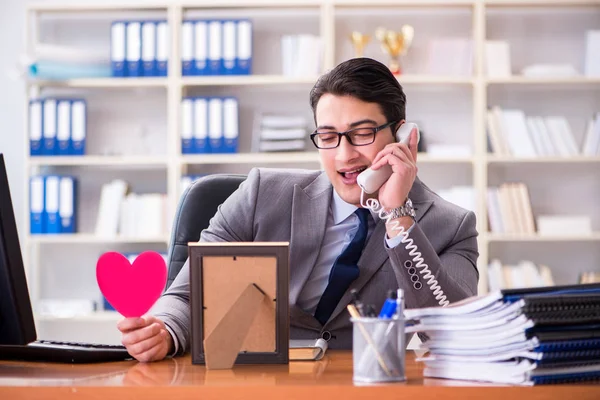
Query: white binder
215	124
78	127
134	48
35	127
187	126
200	134
162	48
229	47
244	47
36	205
66	209
230	125
117	49
52	222
63	134
201	47
49	133
187	48
215	53
149	48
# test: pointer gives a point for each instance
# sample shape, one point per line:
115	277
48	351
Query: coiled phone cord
419	263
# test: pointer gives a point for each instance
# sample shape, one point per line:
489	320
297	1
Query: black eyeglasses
356	137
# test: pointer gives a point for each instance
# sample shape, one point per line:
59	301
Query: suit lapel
374	255
310	208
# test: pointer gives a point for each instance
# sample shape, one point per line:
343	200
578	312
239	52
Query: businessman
336	244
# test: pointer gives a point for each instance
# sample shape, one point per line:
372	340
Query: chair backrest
197	206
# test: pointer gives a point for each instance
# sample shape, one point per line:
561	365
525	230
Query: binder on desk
215	124
67	200
36	205
78	127
117	49
134	48
49	130
215	48
35	127
52	223
149	48
187	125
187	48
230	125
201	47
162	48
63	132
244	47
200	134
229	48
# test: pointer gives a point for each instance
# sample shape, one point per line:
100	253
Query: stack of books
519	336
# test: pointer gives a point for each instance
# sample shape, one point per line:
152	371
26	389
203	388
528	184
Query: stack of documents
282	133
518	336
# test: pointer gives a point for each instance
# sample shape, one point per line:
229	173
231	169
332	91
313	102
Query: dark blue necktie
344	271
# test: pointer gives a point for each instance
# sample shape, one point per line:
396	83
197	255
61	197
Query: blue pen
389	307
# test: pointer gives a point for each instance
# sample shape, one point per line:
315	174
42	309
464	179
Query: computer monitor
17	326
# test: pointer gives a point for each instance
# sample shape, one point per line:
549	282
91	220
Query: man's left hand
403	160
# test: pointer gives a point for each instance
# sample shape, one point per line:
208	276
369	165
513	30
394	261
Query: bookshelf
451	109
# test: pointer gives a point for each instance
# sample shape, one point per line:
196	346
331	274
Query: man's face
345	162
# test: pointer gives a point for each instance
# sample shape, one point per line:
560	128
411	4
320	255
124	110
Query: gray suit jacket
292	205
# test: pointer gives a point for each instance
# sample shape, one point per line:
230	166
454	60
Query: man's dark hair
367	80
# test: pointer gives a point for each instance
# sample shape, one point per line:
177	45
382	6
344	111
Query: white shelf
105	83
404	3
247	80
506	238
542	160
88	238
99	316
435	80
97	6
107	161
251	158
522	80
541	3
191	4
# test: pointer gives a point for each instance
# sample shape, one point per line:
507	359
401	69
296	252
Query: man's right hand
146	338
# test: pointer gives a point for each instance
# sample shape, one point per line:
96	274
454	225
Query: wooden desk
330	378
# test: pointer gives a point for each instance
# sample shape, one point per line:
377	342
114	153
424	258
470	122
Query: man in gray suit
427	246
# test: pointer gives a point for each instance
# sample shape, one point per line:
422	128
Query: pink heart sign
131	289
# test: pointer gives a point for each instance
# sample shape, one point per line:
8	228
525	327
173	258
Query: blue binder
230	125
36	205
149	48
51	205
200	132
215	124
187	126
49	127
63	131
244	47
162	48
118	41
187	48
134	48
201	47
36	122
78	126
67	204
229	65
215	47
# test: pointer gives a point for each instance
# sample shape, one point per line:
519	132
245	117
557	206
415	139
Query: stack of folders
210	125
57	127
216	47
518	336
139	48
282	133
52	204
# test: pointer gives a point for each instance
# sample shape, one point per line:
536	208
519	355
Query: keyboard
64	352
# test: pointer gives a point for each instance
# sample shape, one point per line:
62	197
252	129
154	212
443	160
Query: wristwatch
406	210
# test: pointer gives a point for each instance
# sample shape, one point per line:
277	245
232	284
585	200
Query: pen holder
378	350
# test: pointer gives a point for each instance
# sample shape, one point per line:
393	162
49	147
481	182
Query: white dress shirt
341	227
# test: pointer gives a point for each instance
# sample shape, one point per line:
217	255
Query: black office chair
196	207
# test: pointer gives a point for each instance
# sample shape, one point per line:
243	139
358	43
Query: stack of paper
281	133
518	336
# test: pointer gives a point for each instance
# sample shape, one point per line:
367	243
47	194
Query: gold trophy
359	41
395	44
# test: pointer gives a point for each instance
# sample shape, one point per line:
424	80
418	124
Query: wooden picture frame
240	292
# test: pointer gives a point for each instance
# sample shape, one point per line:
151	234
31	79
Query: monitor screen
16	318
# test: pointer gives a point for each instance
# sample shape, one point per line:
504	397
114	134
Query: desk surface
330	378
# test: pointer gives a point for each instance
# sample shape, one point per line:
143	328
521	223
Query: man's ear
395	129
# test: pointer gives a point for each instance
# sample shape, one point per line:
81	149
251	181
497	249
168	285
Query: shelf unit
328	12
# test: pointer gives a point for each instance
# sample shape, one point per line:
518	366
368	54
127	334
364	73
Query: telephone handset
370	180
